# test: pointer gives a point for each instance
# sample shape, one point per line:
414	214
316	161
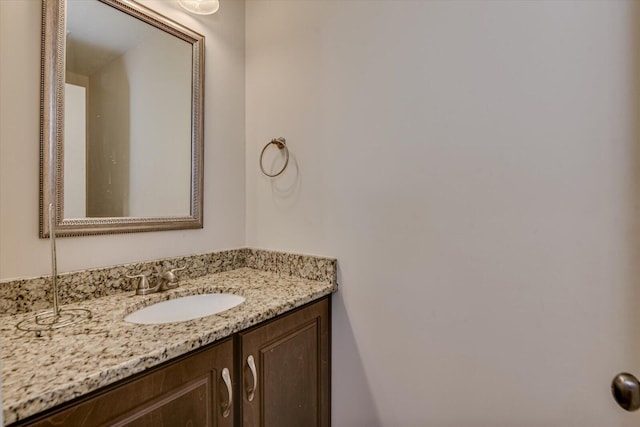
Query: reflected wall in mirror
122	119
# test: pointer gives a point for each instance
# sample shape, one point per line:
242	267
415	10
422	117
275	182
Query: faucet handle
170	275
143	284
173	270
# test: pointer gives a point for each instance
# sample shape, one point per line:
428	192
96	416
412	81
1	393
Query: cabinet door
188	392
285	375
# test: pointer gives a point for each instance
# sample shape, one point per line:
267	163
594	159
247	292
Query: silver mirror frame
52	127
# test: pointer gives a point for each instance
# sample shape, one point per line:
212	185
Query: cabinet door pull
252	365
226	408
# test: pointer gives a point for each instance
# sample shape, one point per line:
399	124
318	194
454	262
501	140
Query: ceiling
98	33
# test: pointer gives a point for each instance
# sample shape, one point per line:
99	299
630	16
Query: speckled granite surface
20	296
39	373
303	266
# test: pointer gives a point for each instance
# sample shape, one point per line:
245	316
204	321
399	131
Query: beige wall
109	144
136	167
164	147
75	140
474	166
22	253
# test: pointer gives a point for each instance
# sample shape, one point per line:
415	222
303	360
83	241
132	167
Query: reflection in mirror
122	140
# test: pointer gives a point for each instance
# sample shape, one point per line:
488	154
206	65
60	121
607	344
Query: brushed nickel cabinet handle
252	366
226	408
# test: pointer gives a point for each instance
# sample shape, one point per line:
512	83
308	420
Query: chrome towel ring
281	143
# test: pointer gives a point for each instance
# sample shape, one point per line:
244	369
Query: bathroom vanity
286	385
262	363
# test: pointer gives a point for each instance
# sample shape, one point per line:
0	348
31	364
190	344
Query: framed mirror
121	119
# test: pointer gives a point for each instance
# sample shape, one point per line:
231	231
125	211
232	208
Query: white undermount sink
184	308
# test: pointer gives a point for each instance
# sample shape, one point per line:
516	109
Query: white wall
109	141
147	66
22	253
473	165
75	140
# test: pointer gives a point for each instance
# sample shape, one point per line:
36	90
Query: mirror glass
125	131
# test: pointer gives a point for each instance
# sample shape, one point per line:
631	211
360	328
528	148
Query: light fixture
200	7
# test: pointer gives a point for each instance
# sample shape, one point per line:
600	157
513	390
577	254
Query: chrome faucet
167	280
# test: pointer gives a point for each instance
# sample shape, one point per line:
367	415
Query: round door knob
626	391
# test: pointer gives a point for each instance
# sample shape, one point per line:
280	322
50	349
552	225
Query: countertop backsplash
24	295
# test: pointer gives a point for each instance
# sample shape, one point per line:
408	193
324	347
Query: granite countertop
39	373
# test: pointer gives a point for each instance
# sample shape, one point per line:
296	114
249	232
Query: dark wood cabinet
291	357
191	391
285	372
